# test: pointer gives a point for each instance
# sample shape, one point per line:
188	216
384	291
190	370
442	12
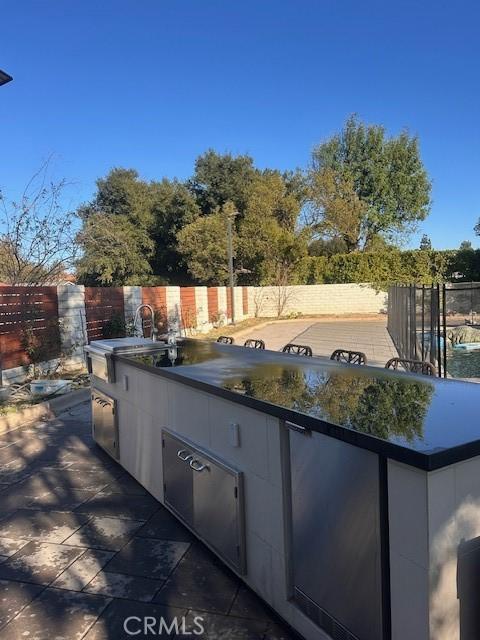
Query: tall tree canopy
364	184
115	239
221	178
174	207
203	243
425	243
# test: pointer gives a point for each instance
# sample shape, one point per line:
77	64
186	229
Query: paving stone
117	505
14	596
9	546
120	585
125	485
83	570
110	625
197	583
79	478
281	632
217	627
164	526
61	499
248	605
39	562
56	614
149	558
212	594
102	532
48	526
10	501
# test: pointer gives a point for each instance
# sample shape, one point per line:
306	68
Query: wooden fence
104	312
29	328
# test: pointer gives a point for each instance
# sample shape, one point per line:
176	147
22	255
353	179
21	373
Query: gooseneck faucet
137	316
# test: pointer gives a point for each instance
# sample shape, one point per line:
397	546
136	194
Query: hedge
390	267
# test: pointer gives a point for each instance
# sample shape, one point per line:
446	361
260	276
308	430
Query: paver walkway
324	336
83	547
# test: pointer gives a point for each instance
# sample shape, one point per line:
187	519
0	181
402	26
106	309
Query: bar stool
254	343
298	349
351	357
412	366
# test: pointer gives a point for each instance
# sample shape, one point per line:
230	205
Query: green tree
115	251
269	245
203	244
327	246
465	245
115	238
425	243
220	178
174	208
364	184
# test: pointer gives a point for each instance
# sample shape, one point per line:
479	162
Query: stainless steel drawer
207	495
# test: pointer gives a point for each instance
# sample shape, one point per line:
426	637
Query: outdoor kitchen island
347	497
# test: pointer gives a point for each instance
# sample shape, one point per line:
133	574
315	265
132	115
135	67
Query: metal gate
430	322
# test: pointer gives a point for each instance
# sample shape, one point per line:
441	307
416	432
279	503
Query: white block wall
238	298
132	299
222	304
318	299
201	303
174	315
71	311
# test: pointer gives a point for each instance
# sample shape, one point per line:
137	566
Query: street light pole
230	264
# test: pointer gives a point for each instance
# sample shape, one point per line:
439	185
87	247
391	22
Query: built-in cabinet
207	495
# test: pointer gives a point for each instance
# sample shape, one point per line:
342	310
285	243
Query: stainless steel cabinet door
336	532
216	510
104	423
178	477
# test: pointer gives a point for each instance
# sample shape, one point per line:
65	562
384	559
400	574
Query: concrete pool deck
369	335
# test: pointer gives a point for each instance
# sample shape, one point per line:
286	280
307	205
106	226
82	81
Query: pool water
463	364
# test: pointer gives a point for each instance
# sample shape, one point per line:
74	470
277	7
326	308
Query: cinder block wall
73	328
317	299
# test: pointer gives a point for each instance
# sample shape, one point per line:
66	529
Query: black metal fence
437	324
414	323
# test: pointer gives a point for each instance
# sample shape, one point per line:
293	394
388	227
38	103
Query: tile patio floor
83	546
324	336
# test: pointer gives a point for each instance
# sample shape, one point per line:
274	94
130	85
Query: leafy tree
115	251
36	233
466	245
203	244
220	178
269	246
115	238
364	184
327	246
174	208
425	243
122	193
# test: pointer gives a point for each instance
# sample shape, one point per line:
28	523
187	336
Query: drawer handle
196	465
184	455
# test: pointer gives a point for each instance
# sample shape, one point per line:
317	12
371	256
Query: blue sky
151	84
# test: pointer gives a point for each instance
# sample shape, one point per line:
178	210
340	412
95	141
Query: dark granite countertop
425	422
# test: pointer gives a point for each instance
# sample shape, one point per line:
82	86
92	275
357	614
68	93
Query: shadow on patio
83	547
